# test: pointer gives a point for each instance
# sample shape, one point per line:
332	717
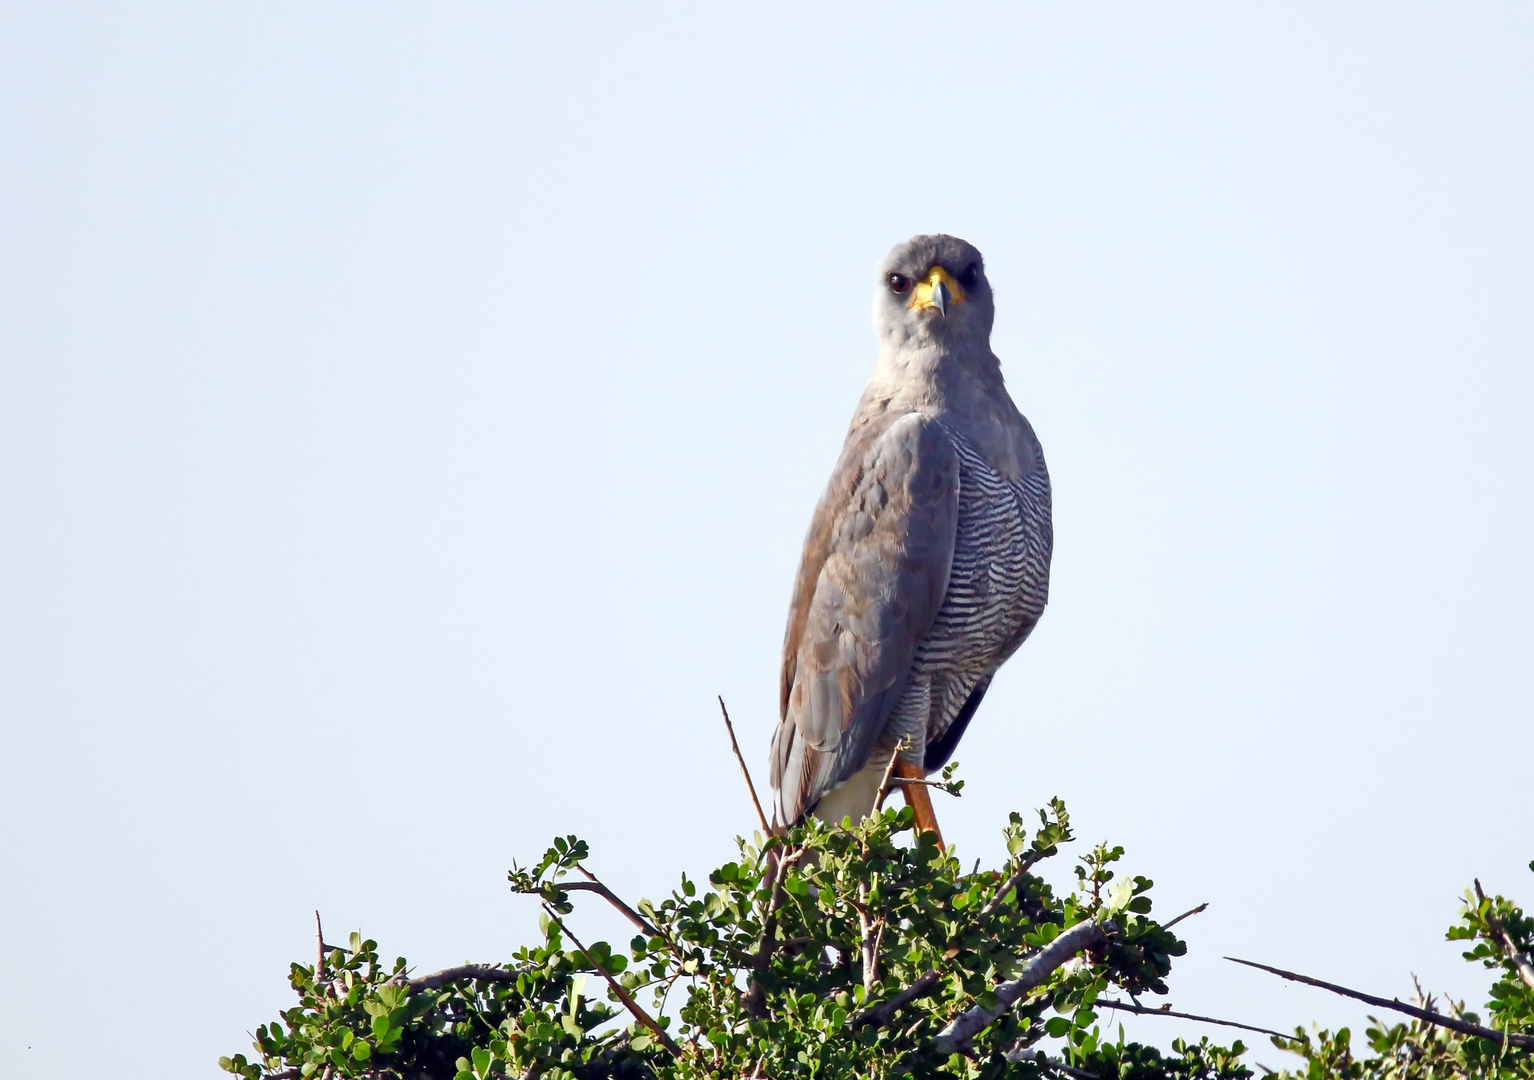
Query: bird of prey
927	559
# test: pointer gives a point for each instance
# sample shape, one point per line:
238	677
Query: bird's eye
971	276
899	284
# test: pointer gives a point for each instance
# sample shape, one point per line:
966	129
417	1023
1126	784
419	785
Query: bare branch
755	1000
591	884
1464	1027
968	1024
319	937
1520	960
1145	1010
889	770
1191	911
1039	1058
735	746
621	994
882	1013
873	935
870	958
878	941
466	973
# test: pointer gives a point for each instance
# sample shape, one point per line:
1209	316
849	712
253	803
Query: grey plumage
926	563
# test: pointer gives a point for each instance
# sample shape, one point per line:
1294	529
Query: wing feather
872	577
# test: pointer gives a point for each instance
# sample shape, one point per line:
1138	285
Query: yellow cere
921	295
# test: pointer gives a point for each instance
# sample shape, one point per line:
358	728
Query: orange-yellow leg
919	799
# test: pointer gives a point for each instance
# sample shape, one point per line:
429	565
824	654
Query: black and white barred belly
997	588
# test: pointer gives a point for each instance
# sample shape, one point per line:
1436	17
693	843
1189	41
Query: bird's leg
918	798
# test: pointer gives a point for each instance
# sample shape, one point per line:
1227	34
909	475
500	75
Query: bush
829	952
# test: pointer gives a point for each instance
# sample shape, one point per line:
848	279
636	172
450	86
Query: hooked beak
938	291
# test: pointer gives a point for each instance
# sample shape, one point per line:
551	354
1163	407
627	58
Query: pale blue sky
409	416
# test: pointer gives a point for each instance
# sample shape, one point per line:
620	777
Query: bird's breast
997	586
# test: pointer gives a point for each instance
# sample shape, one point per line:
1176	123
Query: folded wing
872	577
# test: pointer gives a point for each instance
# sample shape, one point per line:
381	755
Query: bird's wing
873	575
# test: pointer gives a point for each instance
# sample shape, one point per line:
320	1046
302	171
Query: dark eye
971	276
899	284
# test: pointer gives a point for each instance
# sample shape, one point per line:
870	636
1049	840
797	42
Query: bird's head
933	290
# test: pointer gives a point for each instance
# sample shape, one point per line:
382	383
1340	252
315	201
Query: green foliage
777	967
800	958
360	1019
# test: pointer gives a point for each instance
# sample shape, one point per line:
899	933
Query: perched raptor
927	559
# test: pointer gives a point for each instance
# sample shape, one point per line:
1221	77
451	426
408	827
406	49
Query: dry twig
884	784
735	746
1184	915
319	938
1464	1027
591	884
1145	1010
